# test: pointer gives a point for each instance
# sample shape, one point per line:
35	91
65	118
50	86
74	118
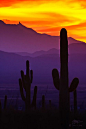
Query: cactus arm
27	69
23	79
34	97
31	73
56	81
73	84
21	90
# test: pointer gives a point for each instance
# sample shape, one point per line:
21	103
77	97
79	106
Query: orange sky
47	16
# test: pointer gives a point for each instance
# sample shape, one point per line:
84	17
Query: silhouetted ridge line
21	25
23	39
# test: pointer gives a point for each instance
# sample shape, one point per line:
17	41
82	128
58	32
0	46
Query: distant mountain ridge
18	38
74	48
11	64
77	48
39	53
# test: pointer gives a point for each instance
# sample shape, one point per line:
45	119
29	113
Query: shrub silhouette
25	83
61	83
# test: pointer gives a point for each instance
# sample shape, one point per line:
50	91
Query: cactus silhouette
0	111
0	107
43	102
61	83
49	103
34	97
25	83
5	102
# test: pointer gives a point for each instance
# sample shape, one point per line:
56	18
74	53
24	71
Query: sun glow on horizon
47	16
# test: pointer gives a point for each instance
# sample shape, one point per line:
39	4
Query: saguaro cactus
25	83
61	83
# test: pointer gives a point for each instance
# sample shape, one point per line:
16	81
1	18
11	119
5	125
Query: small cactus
43	102
5	102
0	107
0	111
25	83
49	103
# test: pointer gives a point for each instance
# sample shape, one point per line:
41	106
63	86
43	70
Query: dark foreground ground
47	119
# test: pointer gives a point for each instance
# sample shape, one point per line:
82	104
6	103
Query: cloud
10	22
7	3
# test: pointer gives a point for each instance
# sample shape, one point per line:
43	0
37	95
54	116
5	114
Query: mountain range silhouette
18	38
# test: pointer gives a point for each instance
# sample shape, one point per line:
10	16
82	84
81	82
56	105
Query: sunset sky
47	16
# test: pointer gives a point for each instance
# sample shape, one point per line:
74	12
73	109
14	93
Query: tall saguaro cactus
62	83
64	94
25	83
